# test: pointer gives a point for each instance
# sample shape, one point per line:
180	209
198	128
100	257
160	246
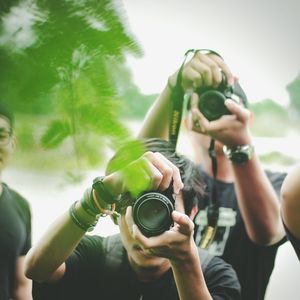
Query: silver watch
239	154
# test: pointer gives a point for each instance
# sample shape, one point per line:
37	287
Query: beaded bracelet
81	224
104	212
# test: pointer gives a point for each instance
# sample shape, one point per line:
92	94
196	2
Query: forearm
156	122
45	261
23	285
24	291
189	279
258	203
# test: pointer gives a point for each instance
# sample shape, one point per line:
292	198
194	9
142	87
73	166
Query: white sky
259	39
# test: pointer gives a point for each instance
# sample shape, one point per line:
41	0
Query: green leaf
56	132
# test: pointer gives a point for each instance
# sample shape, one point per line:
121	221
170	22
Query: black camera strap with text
213	206
177	96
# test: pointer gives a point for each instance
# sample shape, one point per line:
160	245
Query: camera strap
213	207
177	95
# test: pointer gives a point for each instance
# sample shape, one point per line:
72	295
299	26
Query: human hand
203	70
152	171
176	244
231	130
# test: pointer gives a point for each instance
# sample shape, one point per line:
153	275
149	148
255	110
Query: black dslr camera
211	100
152	212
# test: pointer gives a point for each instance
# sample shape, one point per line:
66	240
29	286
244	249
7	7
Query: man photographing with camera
239	218
131	265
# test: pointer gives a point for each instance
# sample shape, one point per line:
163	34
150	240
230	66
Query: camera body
211	100
152	212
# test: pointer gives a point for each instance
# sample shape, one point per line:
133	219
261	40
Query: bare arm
188	273
256	197
156	122
258	203
290	193
46	260
23	285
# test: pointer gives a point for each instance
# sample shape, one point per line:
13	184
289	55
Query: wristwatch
239	154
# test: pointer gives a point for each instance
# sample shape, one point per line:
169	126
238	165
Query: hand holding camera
147	184
176	243
218	105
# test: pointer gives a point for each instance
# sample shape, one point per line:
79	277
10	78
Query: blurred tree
57	60
268	112
135	104
293	89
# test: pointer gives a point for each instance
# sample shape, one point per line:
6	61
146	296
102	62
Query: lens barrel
211	104
152	213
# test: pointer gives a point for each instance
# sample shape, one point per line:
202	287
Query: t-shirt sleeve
276	180
27	244
221	280
24	212
78	266
294	241
88	251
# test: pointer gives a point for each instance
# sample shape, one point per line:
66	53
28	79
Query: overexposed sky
259	39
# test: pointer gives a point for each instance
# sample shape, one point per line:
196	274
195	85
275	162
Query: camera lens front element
152	213
211	104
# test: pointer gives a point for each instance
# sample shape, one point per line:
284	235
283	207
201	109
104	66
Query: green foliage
134	104
134	170
279	158
56	132
293	89
56	61
270	119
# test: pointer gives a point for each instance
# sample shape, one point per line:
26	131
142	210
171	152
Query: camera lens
211	104
152	213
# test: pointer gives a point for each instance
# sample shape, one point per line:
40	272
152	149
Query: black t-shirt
294	241
95	271
253	263
15	237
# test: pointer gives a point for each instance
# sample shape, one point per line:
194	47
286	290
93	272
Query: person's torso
253	263
13	237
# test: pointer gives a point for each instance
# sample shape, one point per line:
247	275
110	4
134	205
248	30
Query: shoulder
221	277
19	202
96	246
89	242
15	196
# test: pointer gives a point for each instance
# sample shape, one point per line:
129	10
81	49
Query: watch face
239	157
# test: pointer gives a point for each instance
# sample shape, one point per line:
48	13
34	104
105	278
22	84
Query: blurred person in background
246	216
290	209
15	222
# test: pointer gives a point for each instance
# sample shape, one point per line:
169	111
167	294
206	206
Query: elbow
32	271
269	235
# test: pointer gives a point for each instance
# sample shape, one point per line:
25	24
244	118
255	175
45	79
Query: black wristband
102	193
81	224
87	203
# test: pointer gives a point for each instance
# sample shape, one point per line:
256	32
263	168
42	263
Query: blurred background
80	76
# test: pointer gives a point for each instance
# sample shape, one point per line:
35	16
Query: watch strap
239	154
